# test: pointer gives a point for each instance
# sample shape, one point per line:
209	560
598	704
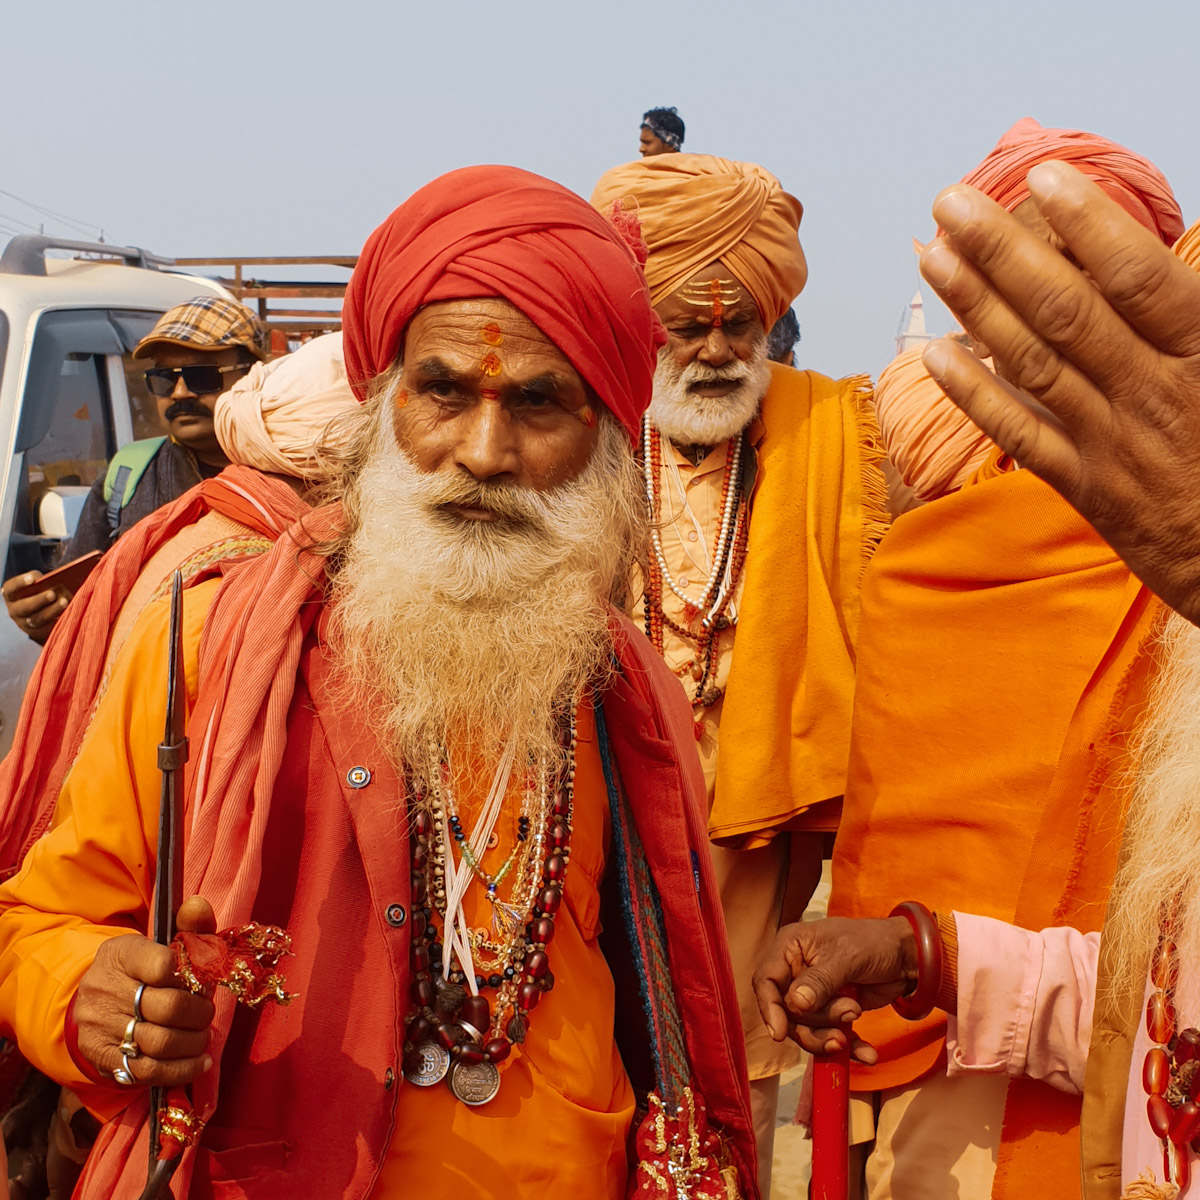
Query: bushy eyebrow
436	368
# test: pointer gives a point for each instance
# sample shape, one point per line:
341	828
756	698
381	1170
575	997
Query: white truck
70	395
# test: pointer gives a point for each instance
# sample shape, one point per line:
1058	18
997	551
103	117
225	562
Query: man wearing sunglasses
196	351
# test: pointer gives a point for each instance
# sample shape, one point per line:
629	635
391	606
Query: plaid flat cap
207	323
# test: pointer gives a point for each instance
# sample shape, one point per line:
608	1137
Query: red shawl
58	702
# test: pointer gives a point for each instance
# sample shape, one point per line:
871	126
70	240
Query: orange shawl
1003	662
818	512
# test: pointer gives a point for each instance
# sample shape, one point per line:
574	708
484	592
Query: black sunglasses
200	380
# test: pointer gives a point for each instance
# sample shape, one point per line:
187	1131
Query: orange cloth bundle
1134	182
934	445
696	209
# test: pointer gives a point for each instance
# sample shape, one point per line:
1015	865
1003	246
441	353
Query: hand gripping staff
168	874
831	1125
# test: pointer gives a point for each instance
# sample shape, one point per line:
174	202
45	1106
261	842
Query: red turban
499	231
1134	182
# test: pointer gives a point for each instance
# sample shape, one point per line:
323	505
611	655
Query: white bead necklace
719	575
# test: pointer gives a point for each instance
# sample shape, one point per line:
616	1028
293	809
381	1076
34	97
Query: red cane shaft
831	1126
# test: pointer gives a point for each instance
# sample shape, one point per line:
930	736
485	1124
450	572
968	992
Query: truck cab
70	396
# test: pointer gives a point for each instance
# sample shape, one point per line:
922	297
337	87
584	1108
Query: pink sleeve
1024	1001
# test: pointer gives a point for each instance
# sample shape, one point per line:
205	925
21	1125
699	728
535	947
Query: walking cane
831	1125
168	876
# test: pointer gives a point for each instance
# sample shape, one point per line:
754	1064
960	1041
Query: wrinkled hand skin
1100	394
820	976
174	1037
36	615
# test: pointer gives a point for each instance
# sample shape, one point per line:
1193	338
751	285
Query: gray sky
294	127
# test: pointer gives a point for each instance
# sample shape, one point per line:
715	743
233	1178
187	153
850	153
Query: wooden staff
168	874
831	1126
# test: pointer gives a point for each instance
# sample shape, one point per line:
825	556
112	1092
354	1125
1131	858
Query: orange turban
1188	247
277	418
930	440
696	209
1134	182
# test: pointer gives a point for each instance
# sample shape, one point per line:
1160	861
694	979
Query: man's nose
181	390
489	446
716	350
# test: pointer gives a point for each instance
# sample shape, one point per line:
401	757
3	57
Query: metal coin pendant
431	1062
474	1083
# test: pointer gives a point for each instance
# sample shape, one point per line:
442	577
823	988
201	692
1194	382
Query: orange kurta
565	1093
1003	660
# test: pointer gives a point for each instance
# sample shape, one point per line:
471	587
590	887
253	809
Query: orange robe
1003	661
562	1116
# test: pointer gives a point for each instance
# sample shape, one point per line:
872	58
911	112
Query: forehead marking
490	334
491	365
714	294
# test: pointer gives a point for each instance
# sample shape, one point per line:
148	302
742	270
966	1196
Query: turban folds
1134	182
1188	247
695	209
502	232
277	418
932	443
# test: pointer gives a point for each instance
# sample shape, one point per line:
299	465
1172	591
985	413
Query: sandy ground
793	1151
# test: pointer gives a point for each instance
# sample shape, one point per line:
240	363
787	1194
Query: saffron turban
1134	182
1188	247
279	416
930	440
695	209
500	231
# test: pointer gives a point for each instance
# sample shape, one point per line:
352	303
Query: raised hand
1100	392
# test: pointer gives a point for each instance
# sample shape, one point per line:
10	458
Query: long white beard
1164	817
690	419
463	633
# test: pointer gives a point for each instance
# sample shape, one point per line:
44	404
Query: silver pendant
474	1083
431	1062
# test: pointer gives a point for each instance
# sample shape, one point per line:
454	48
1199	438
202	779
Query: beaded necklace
455	1032
1171	1068
709	611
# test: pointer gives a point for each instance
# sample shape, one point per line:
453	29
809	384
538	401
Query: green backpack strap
125	471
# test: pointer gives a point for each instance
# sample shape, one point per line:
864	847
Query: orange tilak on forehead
491	336
714	293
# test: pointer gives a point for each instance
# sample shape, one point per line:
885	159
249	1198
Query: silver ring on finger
123	1075
129	1046
30	623
137	1003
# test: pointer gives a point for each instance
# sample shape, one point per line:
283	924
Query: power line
11	220
82	226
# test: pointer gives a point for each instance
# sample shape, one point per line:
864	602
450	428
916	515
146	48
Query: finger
769	996
1025	430
1021	355
176	1008
146	961
1054	300
811	991
17	582
158	1041
825	1040
33	606
196	916
155	1073
863	1052
1149	286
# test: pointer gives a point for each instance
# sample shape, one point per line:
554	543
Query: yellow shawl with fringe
818	512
